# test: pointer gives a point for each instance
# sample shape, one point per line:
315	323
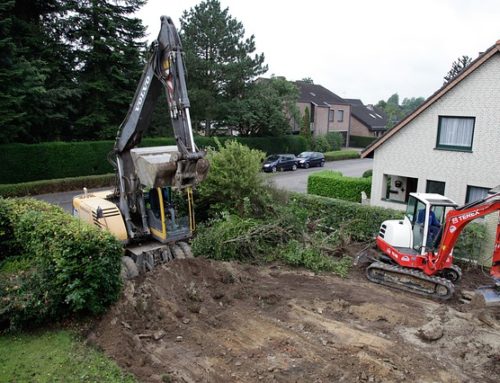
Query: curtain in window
476	194
456	131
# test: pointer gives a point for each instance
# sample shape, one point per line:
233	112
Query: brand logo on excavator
142	93
464	217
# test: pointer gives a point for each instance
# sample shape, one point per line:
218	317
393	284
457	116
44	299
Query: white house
449	145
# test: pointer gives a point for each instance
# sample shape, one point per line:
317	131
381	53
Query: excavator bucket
163	166
487	296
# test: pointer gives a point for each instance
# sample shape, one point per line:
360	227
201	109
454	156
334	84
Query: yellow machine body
87	206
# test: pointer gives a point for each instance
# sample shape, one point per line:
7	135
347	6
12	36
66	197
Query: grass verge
55	356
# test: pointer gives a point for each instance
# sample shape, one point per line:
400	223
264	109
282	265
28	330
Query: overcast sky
367	49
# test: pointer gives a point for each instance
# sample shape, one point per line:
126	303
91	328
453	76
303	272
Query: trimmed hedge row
361	222
23	162
332	184
52	265
341	155
58	185
360	141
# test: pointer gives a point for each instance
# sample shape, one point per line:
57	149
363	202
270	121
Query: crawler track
410	280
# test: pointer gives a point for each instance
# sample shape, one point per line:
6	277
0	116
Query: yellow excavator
151	207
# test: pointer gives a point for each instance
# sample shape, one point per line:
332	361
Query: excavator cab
426	214
170	214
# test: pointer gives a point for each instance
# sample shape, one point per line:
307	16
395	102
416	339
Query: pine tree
109	51
305	128
218	59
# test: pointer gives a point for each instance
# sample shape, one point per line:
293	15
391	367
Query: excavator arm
180	167
456	220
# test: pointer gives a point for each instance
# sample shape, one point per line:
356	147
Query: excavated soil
195	320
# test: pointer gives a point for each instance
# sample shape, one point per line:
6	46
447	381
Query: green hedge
360	141
361	222
52	265
341	155
332	184
23	162
58	185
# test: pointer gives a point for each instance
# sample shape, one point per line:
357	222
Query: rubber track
415	276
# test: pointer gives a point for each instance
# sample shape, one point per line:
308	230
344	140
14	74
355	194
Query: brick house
366	120
449	145
329	112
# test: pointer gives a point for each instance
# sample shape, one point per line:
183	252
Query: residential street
297	181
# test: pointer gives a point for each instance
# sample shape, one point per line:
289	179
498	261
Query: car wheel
306	165
281	169
274	169
294	167
322	163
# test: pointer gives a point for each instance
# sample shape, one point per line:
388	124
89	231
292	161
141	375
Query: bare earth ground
196	320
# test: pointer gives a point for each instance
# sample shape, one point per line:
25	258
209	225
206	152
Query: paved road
297	181
292	181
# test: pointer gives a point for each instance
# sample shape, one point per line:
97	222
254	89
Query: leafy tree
307	80
267	109
218	58
394	111
458	66
108	49
305	127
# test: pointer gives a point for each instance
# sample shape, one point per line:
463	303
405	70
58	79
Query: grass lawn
54	356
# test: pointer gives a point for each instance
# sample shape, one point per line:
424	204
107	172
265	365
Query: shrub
335	140
368	173
65	267
330	184
360	141
341	155
470	243
50	160
234	182
320	144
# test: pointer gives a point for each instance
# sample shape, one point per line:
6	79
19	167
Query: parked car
280	162
307	159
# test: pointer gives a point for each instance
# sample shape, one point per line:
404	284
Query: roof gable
370	116
480	60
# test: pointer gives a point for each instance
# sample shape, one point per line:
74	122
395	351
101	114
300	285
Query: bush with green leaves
55	266
234	183
320	144
341	155
360	141
336	140
367	173
329	183
281	237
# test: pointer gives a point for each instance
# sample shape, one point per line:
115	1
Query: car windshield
272	158
305	154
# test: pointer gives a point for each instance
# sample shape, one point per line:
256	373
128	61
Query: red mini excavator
416	253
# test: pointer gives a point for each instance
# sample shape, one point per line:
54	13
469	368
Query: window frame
427	184
331	115
340	114
468	191
457	148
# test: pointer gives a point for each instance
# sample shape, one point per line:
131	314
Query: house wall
358	128
412	152
340	126
321	120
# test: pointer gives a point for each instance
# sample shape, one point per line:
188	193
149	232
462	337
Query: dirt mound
196	320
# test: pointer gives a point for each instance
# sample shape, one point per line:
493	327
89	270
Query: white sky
367	49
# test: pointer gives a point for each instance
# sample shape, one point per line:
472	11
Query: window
455	133
330	115
435	187
398	188
340	114
475	193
